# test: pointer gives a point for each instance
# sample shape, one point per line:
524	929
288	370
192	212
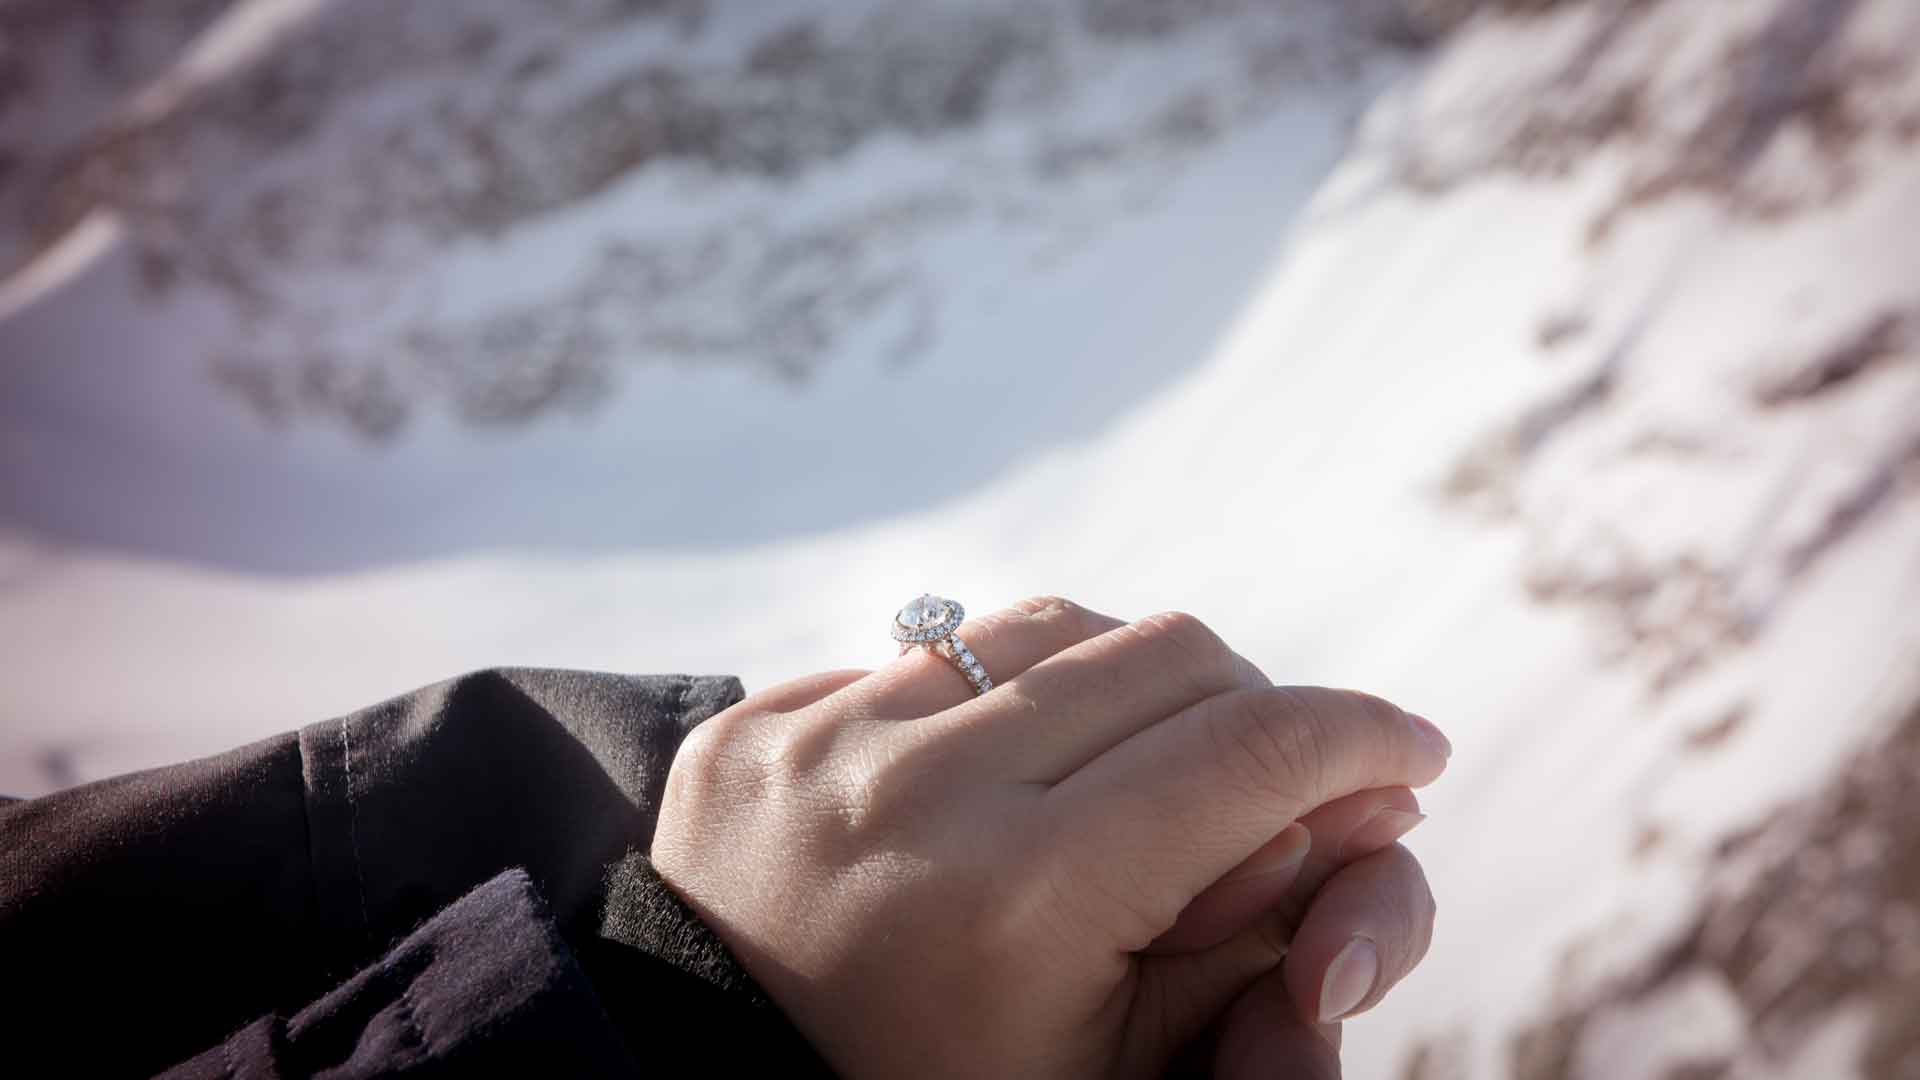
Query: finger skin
1264	1037
796	694
1344	831
1260	1034
1192	988
1157	819
1096	695
1384	898
1338	833
919	684
1247	892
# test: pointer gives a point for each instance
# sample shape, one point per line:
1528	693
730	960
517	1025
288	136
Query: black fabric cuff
677	994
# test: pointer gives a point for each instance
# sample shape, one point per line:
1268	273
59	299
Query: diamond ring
931	622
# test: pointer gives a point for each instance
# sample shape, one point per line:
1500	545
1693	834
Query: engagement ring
930	622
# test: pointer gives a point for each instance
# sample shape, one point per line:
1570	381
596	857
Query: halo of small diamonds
928	618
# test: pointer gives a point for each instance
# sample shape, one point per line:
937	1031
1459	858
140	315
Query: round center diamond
928	610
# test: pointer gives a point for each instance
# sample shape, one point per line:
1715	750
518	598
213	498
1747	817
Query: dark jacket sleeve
177	905
485	988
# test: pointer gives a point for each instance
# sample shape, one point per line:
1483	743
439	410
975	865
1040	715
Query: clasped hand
1134	847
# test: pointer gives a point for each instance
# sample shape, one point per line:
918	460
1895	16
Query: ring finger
1007	643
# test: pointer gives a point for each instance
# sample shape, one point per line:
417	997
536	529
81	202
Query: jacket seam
353	830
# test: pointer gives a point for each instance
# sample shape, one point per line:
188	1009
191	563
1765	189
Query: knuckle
1182	629
1378	726
1074	621
1275	743
1321	735
705	748
1384	715
1201	651
1047	604
710	764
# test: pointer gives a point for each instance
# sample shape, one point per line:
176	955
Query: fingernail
1424	727
1349	980
1284	852
1385	826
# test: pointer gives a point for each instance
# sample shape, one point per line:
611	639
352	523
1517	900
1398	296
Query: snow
1241	381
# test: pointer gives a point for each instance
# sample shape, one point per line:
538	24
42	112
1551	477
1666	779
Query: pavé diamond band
931	622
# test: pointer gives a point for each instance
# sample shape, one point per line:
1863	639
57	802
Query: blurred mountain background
1553	367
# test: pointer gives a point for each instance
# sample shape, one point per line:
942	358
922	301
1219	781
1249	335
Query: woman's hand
1059	877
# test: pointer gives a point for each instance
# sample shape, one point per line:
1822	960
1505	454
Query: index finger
1151	823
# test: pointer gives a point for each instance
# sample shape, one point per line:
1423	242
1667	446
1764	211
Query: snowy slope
704	237
1577	405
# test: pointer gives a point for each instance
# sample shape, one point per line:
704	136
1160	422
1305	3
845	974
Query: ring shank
962	657
955	652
